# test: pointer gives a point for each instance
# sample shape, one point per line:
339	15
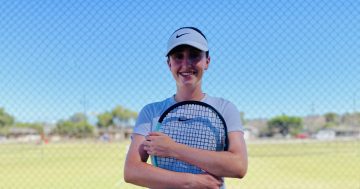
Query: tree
78	117
331	119
351	119
105	120
285	124
5	118
242	118
123	115
37	126
77	126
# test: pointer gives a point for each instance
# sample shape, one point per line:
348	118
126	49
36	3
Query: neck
189	94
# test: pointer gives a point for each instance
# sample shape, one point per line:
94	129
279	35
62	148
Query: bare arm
138	172
231	163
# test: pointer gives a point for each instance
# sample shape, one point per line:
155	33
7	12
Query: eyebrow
182	47
191	50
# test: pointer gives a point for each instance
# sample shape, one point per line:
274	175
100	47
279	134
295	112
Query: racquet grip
154	158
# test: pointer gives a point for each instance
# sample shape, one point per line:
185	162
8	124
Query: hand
206	181
159	144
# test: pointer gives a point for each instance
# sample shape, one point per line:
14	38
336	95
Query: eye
194	55
178	56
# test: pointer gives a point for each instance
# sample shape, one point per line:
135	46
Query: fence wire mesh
75	74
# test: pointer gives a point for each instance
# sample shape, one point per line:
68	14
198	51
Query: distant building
325	134
250	132
24	134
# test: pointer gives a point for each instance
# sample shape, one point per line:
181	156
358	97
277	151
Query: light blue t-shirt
151	113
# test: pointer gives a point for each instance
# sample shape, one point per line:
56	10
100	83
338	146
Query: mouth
187	73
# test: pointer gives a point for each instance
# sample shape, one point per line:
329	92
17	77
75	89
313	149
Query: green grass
100	165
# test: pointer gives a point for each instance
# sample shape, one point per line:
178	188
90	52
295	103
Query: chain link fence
75	74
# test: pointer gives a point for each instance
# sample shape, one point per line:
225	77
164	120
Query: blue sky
268	57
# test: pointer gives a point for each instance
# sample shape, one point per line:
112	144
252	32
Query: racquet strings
194	125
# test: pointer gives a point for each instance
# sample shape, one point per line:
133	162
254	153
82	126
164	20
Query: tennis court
90	164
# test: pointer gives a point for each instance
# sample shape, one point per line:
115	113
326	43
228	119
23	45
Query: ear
168	63
207	63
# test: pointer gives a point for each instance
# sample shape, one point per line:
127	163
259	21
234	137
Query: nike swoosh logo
183	119
177	36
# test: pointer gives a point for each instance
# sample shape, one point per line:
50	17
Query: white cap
187	36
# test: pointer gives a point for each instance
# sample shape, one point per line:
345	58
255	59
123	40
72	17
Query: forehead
182	48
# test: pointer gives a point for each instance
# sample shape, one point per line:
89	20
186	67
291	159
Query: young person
188	59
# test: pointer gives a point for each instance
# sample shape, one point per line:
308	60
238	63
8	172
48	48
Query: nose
187	60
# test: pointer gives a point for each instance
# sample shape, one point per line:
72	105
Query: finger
151	137
156	134
152	153
216	181
147	137
218	178
146	148
147	143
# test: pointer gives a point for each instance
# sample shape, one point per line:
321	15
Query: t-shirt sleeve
143	122
232	118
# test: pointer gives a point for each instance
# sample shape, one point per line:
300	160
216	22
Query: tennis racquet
195	124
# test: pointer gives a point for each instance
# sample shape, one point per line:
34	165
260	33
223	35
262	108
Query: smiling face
187	65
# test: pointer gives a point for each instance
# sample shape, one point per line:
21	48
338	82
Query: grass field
90	165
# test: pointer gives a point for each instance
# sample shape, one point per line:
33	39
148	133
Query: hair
197	30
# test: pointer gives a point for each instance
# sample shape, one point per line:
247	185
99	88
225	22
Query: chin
188	83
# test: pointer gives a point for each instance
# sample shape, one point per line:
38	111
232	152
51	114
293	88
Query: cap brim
190	43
